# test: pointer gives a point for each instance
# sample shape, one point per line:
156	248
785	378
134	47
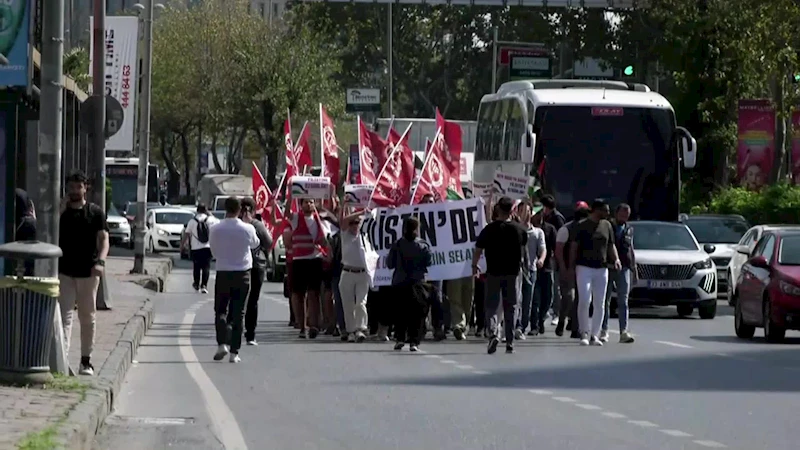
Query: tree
76	66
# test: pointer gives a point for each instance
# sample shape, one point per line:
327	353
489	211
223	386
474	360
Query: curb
156	281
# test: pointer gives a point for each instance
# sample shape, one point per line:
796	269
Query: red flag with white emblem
435	177
451	155
262	193
395	181
372	154
330	148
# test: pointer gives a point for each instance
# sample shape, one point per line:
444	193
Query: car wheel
271	270
685	310
708	310
743	330
772	331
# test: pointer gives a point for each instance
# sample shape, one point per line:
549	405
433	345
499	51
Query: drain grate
153	421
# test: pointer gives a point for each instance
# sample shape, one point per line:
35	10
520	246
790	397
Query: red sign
607	111
506	52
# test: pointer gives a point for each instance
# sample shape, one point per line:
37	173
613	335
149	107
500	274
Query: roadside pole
49	154
144	139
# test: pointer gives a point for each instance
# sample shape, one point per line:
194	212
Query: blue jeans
542	297
337	299
528	283
622	281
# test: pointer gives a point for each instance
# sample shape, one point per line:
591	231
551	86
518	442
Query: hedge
774	204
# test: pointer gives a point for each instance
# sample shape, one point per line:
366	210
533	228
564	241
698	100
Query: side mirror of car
759	261
709	248
743	249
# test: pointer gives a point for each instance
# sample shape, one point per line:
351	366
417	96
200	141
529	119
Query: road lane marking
447	361
643	423
588	407
676	433
710	444
481	372
222	419
722	354
614	415
673	344
565	399
432	356
540	392
464	367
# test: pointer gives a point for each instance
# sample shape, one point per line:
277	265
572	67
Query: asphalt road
684	384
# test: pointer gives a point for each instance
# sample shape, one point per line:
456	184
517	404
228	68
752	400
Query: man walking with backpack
197	233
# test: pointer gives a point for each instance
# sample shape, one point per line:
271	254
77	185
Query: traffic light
796	78
628	71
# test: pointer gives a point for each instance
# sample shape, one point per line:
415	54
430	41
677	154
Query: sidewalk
68	413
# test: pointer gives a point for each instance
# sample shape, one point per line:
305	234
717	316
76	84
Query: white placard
122	44
310	187
451	229
512	186
483	190
357	195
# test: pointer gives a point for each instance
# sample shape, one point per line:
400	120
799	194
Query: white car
722	231
119	229
673	269
165	228
742	251
276	266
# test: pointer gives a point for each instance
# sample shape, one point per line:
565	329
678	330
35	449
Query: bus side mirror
688	146
528	145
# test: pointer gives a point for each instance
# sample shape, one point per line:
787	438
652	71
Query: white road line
222	418
565	399
432	356
613	331
540	392
481	372
722	354
676	433
447	361
673	344
643	423
614	415
588	407
710	444
464	367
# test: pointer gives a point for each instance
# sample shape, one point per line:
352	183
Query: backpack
202	230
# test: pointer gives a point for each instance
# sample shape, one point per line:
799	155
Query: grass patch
66	383
46	438
42	440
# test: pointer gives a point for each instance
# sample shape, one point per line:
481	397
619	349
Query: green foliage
775	204
76	66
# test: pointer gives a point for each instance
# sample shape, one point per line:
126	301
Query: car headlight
162	232
790	289
280	242
705	264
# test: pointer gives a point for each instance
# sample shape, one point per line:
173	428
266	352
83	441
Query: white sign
122	41
530	63
364	96
512	186
592	68
483	190
310	187
357	194
450	228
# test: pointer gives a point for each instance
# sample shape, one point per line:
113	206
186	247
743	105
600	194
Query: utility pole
144	138
389	33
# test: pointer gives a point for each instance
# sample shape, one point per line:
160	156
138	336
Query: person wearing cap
545	282
566	280
591	252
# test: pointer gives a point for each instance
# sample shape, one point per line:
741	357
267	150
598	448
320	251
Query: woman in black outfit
410	258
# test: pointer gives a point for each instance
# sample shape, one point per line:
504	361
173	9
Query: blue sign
3	182
15	25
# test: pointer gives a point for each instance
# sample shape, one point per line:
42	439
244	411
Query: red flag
330	148
302	151
451	134
372	154
394	184
291	164
435	178
262	193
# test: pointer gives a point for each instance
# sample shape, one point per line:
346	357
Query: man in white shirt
196	236
354	281
232	242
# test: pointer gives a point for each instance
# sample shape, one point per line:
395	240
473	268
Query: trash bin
27	312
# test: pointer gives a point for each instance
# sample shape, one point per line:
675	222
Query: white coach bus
590	139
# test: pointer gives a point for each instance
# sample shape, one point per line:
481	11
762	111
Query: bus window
498	122
482	144
514	128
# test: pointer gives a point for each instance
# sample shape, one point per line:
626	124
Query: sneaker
555	321
399	346
252	342
344	337
533	332
235	358
383	333
351	337
541	328
222	350
86	368
196	287
493	342
336	332
439	335
313	333
459	334
604	336
585	339
479	333
595	341
360	337
575	334
413	348
203	290
303	334
625	338
560	329
519	334
509	349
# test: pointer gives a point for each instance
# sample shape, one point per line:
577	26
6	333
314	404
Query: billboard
15	43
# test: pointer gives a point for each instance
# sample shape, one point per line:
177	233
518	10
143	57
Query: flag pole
321	141
360	146
425	164
391	124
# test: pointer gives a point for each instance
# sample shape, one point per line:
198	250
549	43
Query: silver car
119	229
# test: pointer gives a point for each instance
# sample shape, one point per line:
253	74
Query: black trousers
201	267
411	309
230	300
380	308
257	275
478	308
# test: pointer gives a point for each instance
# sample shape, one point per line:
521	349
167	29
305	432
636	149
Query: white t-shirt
563	234
191	228
232	242
311	223
352	250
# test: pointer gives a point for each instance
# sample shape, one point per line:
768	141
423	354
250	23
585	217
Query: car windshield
173	218
655	236
717	230
112	211
219	214
789	254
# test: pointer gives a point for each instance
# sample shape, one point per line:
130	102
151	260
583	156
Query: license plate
657	284
722	275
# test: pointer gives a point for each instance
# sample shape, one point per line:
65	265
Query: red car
769	287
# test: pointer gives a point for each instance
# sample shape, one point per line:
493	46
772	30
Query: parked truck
214	189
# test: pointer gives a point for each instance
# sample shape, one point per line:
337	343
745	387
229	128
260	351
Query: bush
774	204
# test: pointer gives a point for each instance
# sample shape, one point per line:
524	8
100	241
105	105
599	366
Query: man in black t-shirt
83	238
503	241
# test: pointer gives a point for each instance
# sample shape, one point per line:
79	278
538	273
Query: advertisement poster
794	157
14	35
3	193
122	40
756	142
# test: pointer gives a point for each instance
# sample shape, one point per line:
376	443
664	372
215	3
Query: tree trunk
776	174
214	157
187	166
173	183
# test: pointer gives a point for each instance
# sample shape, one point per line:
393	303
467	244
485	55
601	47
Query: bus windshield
618	154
